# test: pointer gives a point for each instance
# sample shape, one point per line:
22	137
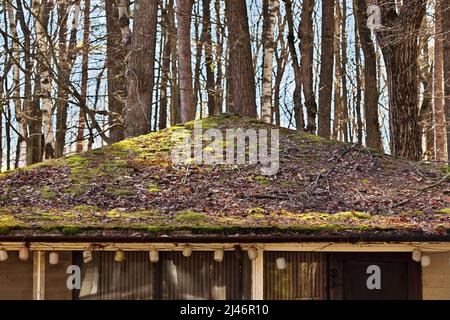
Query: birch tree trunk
41	11
270	9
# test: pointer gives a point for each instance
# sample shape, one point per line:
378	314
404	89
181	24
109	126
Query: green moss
153	188
190	216
70	230
262	180
47	193
312	137
77	161
256	211
445	169
9	222
285	184
413	213
85	209
364	181
257	216
122	192
445	211
42	217
351	215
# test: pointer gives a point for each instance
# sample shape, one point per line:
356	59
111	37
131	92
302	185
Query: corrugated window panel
303	279
105	279
199	277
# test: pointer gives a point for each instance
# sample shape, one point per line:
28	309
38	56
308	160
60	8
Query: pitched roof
323	189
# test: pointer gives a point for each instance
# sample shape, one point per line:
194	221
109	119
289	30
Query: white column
258	276
39	275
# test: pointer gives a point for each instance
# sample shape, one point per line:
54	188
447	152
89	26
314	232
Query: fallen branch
418	194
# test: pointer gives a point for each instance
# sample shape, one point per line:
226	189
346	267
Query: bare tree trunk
398	40
281	56
220	31
64	73
336	133
175	112
298	110
140	69
197	101
445	12
373	132
270	9
41	10
358	95
306	35
426	119
438	88
209	59
66	57
115	60
84	75
165	70
31	110
345	121
229	85
326	69
188	109
20	116
243	78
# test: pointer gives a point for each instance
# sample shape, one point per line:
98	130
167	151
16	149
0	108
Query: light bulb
425	261
119	256
417	255
154	256
53	258
218	255
187	251
24	253
281	263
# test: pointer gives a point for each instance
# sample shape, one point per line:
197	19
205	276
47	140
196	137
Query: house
124	222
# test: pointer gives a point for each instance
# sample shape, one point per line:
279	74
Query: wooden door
374	276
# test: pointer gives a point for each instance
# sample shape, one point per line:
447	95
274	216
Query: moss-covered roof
322	188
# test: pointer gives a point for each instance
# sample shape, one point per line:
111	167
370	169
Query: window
174	277
303	278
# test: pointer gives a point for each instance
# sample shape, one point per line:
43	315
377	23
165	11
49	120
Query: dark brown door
374	276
